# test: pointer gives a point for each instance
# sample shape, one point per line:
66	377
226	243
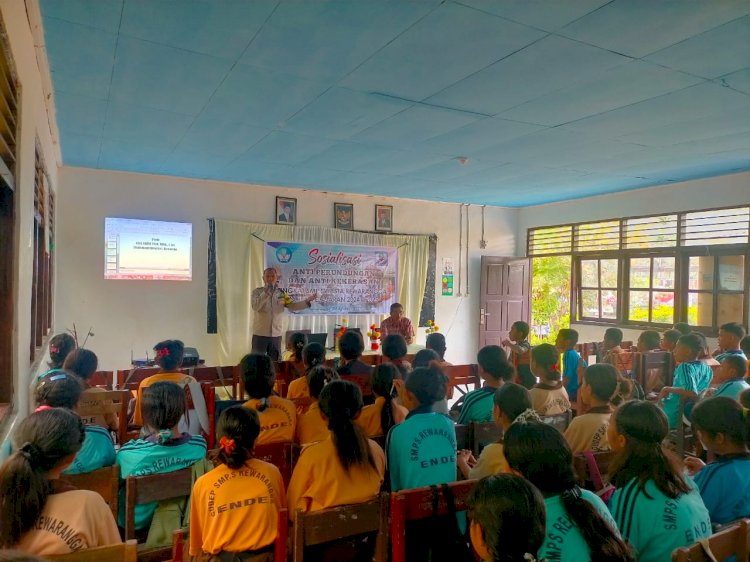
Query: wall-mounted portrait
384	218
343	216
286	210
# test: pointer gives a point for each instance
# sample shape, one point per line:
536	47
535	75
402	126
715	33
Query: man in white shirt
268	303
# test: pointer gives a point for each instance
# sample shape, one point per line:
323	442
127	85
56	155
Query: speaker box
190	357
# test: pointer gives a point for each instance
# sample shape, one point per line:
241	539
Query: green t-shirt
655	525
96	452
563	541
694	376
478	406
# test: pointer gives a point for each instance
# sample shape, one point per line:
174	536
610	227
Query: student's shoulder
135	446
97	431
197	441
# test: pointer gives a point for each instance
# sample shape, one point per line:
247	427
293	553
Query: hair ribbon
227	445
164	435
163	352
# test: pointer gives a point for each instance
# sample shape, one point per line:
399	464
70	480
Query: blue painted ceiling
545	99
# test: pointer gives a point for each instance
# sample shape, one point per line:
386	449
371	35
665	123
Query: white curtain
239	269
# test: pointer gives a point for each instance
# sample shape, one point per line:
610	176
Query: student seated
572	363
730	336
422	449
60	389
59	347
548	396
669	339
731	377
494	370
293	352
346	467
377	419
169	358
603	387
311	427
724	429
278	416
351	347
611	344
394	350
512	404
35	507
520	353
217	525
683	327
83	363
691	378
579	525
508	519
436	342
164	449
657	508
313	354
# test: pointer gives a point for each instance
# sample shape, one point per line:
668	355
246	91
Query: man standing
268	303
397	323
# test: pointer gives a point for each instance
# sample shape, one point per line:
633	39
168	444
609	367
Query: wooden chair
103	379
362	381
130	379
302	403
416	504
105	482
559	421
122	552
281	455
583	470
461	375
340	523
587	351
464	438
483	434
154	488
372	359
731	540
218	377
653	364
109	402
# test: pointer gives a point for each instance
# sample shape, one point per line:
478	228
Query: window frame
578	287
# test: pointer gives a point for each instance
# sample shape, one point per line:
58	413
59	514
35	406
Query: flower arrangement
340	330
287	299
432	327
374	335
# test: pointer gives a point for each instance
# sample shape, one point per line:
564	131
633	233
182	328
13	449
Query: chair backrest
121	552
484	434
281	455
151	488
461	375
130	379
559	421
463	436
416	504
105	482
583	471
653	363
372	359
215	376
108	402
363	382
102	379
731	540
338	523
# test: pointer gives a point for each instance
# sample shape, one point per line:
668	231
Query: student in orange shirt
278	417
169	358
235	507
311	427
346	467
377	419
313	354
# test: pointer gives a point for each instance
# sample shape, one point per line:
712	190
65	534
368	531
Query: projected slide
147	250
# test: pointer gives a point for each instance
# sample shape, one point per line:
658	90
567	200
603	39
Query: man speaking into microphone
268	303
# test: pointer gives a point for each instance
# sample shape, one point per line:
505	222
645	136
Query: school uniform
571	360
692	375
319	480
725	488
721	356
655	525
145	456
588	432
277	421
491	461
236	510
310	426
298	388
96	452
549	400
369	418
732	388
478	406
71	521
563	540
107	421
178	378
422	450
521	361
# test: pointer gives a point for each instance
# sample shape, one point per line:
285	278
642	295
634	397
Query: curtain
239	269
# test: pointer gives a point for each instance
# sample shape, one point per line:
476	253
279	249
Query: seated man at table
397	323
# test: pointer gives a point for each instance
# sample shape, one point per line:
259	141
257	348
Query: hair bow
227	445
42	408
53	349
163	352
554	367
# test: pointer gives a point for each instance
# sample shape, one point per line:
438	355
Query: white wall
33	124
722	191
135	315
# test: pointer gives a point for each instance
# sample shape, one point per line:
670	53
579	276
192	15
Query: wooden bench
122	552
102	379
653	364
731	540
282	455
108	402
582	470
105	482
459	375
483	434
338	524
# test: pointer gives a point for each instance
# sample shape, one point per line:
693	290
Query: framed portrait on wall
286	210
384	218
343	216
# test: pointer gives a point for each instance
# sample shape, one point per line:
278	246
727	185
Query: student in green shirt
657	507
507	516
579	526
494	370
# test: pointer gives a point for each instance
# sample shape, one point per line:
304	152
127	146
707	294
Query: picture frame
286	210
384	218
343	216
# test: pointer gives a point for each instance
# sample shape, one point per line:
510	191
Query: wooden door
505	297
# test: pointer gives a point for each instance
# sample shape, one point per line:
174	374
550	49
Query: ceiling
498	102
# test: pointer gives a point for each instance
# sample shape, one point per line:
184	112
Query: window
41	292
656	270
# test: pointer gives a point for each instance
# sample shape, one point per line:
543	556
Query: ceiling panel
738	80
287	148
538	13
99	14
128	122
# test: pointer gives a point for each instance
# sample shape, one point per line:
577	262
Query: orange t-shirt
277	421
310	426
236	510
369	418
179	378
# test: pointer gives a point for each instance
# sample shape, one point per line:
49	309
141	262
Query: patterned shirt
401	326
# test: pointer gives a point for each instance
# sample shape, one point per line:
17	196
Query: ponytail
547	357
238	428
59	347
313	354
427	384
607	384
41	442
724	415
341	401
382	385
298	341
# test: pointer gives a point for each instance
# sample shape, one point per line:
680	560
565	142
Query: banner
347	279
